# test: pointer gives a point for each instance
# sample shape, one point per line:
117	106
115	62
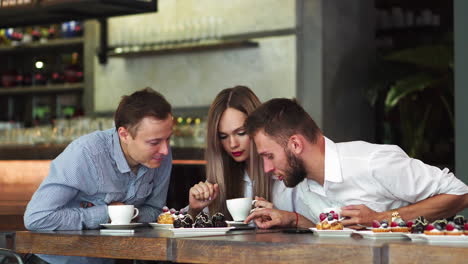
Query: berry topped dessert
329	221
452	229
167	216
380	227
399	225
184	220
436	228
203	220
219	220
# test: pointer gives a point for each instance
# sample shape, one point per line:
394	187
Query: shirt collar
332	162
119	156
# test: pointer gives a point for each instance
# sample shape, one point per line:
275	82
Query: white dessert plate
346	232
161	226
207	231
438	239
381	235
126	226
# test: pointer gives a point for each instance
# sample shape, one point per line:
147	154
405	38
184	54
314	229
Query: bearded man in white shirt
367	181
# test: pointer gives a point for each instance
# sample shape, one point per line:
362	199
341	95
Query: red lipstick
237	153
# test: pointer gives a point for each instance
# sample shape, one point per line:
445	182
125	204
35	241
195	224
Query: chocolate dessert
219	220
203	220
419	225
183	221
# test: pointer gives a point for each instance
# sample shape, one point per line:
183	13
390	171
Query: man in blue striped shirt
128	164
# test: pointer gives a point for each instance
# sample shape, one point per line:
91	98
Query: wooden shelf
181	48
55	11
42	89
70	43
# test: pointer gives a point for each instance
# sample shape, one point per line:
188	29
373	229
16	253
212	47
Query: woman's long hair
222	168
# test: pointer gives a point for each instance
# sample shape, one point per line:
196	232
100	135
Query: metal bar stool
8	254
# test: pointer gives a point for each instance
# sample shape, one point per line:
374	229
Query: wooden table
270	246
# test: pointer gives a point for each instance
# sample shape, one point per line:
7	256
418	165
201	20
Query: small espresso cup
239	208
122	214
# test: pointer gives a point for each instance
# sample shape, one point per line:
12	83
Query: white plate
346	232
161	226
127	226
207	231
438	239
381	235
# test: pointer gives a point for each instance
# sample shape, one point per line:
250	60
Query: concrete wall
193	79
336	51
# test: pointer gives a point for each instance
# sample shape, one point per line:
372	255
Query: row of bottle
67	69
188	132
397	17
11	3
23	35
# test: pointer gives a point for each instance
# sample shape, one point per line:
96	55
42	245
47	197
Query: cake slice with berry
380	227
167	216
436	228
399	225
329	221
452	229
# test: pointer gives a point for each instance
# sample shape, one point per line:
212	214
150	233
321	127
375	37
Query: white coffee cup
122	214
239	208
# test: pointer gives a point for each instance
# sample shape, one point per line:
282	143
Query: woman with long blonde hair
233	168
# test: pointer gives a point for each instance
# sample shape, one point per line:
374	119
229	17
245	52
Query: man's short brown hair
280	119
133	108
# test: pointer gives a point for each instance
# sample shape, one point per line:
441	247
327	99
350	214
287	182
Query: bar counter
249	246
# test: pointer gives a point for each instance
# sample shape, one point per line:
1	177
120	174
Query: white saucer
125	226
161	226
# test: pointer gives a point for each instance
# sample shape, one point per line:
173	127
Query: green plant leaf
405	87
437	57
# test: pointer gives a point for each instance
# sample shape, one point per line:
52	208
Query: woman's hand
202	194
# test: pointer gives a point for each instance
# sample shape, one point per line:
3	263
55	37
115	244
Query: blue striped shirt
93	169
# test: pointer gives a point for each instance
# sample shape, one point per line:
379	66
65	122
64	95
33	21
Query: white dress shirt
382	177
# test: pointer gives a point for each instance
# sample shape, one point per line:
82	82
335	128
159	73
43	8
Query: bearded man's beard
296	172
